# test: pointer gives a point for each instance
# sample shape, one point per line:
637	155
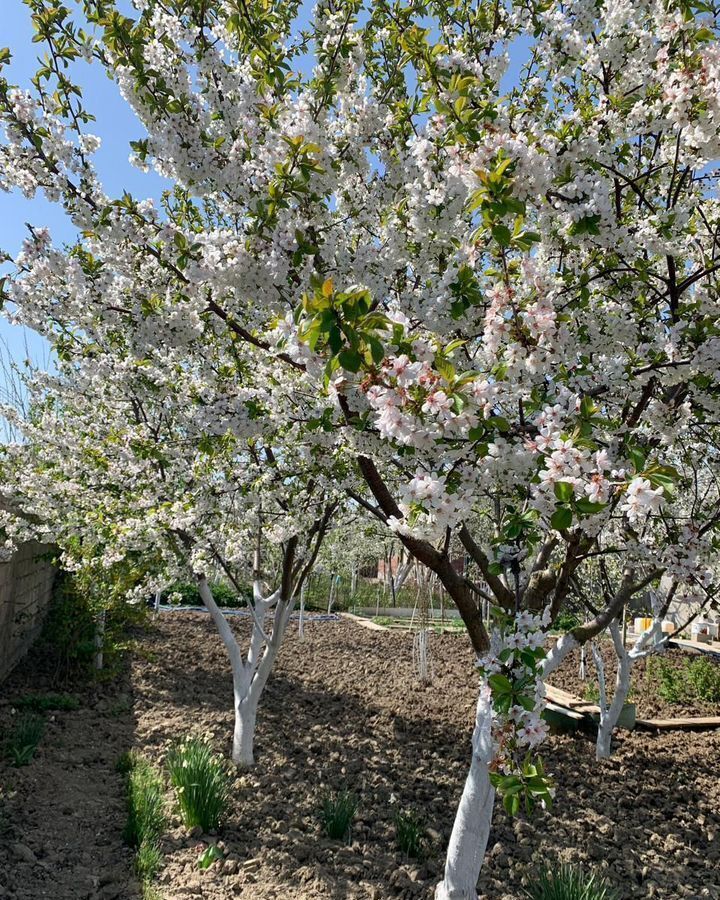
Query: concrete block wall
26	583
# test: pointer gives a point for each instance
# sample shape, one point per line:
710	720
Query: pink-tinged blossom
641	499
598	489
437	404
533	733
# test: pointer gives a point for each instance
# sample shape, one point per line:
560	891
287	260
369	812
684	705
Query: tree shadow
62	817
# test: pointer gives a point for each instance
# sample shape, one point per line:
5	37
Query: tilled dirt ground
342	709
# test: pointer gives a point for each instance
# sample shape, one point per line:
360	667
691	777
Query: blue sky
116	124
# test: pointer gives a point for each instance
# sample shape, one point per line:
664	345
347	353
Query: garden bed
343	709
670	673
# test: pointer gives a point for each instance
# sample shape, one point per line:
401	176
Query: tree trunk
244	734
301	621
250	676
609	715
468	841
557	653
609	719
100	640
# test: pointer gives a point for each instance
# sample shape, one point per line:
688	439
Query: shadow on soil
61	816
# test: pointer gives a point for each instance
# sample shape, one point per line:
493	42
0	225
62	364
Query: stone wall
26	581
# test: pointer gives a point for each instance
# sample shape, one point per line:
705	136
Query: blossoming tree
686	590
491	297
162	463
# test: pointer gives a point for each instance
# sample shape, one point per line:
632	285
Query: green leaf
564	491
586	225
376	349
499	422
350	360
588	508
500	684
502	235
561	518
335	340
637	457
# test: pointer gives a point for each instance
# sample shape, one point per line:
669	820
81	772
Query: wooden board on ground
563	698
696	723
366	623
562	719
559	698
713	648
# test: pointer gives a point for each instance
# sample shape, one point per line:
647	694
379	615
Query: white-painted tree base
471	830
250	674
243	753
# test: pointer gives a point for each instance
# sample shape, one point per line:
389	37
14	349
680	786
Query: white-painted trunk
557	653
250	675
609	720
609	714
422	659
243	752
301	621
401	577
100	640
468	841
333	594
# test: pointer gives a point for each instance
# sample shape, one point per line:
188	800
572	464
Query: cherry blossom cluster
512	671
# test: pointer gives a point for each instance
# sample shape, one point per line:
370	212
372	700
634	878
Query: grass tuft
145	802
336	814
570	883
127	761
410	833
209	856
23	740
146	819
41	703
201	783
148	861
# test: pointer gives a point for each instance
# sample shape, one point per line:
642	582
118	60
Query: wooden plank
712	648
561	719
563	698
559	693
563	710
698	722
558	697
366	623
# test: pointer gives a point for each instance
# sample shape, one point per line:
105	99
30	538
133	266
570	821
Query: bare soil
342	709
